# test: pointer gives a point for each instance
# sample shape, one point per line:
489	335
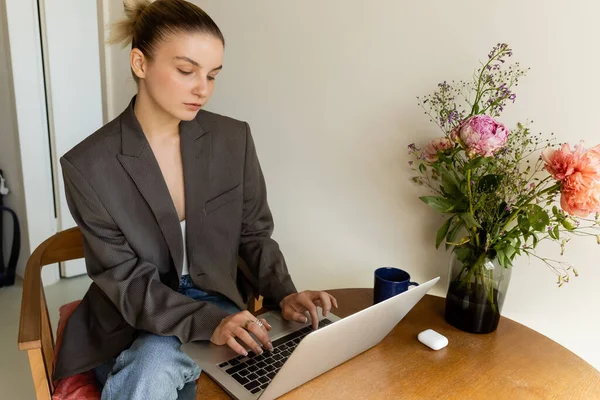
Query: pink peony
435	147
482	135
564	162
579	172
589	163
580	194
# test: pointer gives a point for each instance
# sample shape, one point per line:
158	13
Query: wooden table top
514	362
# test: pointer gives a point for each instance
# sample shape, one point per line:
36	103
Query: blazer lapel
140	163
196	151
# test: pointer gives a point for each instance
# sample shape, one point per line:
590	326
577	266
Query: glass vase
477	288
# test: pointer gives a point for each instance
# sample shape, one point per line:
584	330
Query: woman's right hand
237	326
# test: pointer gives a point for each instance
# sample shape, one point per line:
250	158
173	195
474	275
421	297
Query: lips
193	106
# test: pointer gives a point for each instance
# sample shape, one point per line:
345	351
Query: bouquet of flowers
499	189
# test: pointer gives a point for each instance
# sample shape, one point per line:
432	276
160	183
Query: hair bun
135	8
122	31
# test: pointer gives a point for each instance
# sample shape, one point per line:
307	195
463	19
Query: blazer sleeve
257	248
132	284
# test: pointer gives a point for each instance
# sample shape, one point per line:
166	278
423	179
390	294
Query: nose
201	87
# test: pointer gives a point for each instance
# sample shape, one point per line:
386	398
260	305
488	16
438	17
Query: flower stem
474	229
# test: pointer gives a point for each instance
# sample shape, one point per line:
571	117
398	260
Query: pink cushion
82	386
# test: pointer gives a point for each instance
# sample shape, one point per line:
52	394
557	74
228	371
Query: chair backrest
35	330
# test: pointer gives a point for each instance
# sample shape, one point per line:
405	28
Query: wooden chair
35	331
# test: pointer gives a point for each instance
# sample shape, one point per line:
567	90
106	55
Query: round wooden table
514	362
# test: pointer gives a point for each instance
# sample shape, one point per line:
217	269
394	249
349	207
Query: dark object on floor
7	271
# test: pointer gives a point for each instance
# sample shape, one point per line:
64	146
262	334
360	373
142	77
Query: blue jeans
154	367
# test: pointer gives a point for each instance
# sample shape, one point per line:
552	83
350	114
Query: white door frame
74	90
32	123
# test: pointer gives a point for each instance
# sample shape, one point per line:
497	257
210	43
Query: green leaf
556	231
503	211
556	213
444	158
450	184
464	240
501	257
422	168
476	109
442	232
536	240
489	183
510	252
477	162
440	204
567	225
518	247
463	253
469	220
523	222
453	233
538	218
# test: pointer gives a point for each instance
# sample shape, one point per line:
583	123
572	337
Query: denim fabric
154	367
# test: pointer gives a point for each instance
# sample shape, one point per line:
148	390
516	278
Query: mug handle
413	284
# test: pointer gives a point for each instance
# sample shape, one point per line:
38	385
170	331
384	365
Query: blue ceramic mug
389	282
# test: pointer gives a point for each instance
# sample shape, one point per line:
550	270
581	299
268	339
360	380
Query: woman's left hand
294	306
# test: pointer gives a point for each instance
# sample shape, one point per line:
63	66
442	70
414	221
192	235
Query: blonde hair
147	22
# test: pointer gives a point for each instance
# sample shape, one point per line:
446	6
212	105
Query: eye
184	72
211	78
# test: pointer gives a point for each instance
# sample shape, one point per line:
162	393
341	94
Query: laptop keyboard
255	372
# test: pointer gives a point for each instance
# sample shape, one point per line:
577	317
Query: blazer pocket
222	199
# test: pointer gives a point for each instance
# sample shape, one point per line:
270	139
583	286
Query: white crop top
184	268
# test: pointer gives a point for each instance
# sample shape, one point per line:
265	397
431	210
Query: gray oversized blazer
132	236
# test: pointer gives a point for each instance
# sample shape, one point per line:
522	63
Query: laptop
298	351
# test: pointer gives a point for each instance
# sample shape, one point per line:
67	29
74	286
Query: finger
247	339
307	303
295	316
266	324
261	334
325	303
333	300
238	348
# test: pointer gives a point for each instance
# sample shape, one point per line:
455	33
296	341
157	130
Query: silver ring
257	322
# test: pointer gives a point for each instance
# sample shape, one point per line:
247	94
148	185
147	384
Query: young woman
168	196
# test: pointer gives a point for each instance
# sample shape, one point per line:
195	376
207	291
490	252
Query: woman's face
181	77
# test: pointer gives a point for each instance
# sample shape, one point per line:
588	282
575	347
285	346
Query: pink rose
482	135
580	194
436	146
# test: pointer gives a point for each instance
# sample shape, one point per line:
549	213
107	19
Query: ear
138	63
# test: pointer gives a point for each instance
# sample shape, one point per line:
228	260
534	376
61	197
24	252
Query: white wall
10	160
32	125
329	89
